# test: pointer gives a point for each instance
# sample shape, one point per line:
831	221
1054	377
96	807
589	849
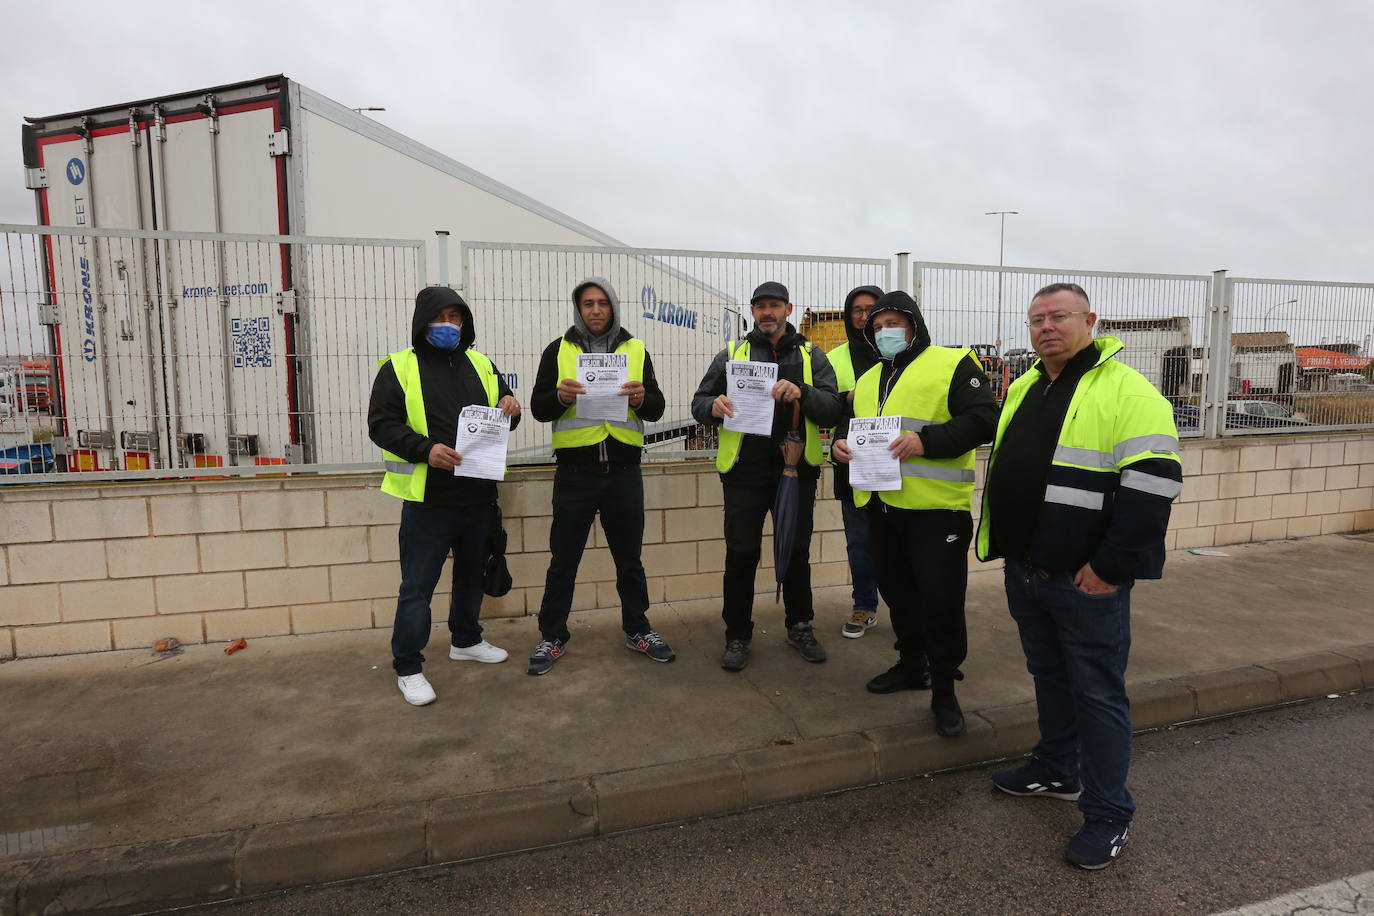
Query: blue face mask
890	341
443	335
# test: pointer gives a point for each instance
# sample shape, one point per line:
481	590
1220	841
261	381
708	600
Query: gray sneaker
802	637
736	655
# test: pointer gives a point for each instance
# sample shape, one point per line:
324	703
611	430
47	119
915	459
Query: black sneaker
1037	779
901	677
949	718
736	655
802	637
544	655
652	645
1097	844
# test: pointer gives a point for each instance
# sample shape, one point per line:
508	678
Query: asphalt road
1230	812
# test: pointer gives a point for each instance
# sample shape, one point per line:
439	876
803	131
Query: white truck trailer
1159	348
184	351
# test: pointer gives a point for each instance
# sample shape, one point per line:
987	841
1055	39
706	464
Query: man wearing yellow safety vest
921	532
750	467
851	360
598	472
1080	482
413	418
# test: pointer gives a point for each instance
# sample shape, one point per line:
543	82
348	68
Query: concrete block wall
86	568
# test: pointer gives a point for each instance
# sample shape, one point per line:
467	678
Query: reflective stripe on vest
921	391
404	479
570	431
730	441
1088	437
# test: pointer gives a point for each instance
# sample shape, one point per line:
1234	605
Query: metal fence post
1217	356
903	270
442	240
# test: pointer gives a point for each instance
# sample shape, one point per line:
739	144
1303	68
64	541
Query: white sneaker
482	652
415	688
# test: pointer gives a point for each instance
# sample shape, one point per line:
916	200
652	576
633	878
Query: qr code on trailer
252	342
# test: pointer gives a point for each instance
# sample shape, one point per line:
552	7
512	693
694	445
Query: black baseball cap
770	290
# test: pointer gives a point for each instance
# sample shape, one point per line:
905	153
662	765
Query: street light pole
1271	309
1001	249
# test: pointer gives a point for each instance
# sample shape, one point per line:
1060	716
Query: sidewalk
133	781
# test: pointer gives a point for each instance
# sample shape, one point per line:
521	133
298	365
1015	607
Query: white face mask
890	341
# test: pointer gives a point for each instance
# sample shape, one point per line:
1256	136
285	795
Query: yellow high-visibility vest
921	398
730	440
571	432
403	479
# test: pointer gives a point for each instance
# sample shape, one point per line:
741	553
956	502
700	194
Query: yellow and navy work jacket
569	431
1114	474
404	479
728	452
920	396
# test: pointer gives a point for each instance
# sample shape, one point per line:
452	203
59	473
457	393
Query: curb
336	847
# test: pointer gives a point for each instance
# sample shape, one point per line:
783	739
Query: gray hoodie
601	343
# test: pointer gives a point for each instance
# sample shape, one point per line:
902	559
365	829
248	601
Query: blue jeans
428	535
861	571
1076	649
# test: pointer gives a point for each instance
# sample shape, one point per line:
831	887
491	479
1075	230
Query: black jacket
972	409
449	383
821	402
546	406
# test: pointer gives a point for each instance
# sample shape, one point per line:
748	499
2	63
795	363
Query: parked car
1242	414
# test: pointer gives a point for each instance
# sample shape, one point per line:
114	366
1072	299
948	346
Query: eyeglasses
1054	318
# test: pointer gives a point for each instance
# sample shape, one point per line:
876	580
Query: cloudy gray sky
1159	136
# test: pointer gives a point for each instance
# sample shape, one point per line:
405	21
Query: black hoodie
862	357
449	383
972	410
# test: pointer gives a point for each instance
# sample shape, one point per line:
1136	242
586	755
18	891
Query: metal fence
1300	354
684	305
1235	356
152	354
145	354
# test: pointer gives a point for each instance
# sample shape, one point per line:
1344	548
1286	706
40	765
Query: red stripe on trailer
57	387
288	331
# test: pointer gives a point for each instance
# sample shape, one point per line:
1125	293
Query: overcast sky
1156	136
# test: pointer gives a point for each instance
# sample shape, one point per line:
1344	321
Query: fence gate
154	354
684	305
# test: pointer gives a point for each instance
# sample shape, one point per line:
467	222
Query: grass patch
1336	408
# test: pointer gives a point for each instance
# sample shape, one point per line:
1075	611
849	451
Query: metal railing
1236	356
683	304
130	354
1300	355
156	354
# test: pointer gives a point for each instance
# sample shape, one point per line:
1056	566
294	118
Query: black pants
747	503
922	559
578	495
428	535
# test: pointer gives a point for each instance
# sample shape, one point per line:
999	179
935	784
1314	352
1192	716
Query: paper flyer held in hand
749	386
873	467
483	435
603	375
